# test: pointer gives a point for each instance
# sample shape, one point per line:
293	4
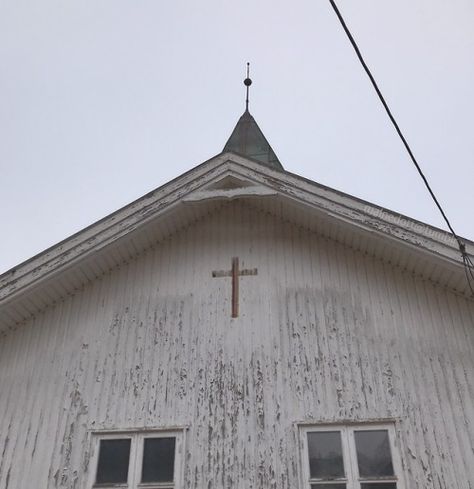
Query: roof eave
345	209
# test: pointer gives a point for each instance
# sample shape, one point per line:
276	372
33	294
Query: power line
467	262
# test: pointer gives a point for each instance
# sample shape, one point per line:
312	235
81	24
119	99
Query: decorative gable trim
227	177
229	194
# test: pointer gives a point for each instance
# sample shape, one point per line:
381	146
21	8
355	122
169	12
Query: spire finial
247	83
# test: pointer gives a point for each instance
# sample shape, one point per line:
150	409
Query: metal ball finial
247	83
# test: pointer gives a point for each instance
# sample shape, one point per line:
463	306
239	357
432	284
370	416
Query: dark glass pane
113	461
325	455
373	453
379	485
328	486
158	460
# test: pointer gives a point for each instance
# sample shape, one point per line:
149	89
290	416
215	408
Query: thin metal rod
248	86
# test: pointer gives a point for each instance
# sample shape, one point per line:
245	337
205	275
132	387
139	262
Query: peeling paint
325	334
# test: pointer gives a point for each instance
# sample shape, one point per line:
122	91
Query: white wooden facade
355	315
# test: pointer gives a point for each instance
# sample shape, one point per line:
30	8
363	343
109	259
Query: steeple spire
248	140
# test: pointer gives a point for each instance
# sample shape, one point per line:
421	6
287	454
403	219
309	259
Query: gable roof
63	269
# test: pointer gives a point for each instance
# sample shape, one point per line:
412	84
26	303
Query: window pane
373	454
325	455
328	486
113	461
158	460
379	485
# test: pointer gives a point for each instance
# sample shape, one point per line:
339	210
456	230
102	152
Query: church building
240	327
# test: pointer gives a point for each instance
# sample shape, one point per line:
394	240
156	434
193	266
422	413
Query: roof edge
343	207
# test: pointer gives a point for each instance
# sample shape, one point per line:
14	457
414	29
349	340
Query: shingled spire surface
248	140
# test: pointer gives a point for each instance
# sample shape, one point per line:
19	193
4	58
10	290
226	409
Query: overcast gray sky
102	101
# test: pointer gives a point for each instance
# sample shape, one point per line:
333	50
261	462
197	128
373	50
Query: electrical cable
467	262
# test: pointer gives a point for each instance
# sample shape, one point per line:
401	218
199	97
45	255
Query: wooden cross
235	273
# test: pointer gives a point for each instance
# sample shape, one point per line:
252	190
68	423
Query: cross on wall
235	273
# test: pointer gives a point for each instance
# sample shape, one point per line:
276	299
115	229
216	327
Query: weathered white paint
63	269
229	193
325	333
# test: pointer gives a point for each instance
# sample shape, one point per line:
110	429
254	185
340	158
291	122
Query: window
350	457
136	460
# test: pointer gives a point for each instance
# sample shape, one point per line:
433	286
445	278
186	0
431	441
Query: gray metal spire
247	139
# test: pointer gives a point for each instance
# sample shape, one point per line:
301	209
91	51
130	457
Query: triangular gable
82	257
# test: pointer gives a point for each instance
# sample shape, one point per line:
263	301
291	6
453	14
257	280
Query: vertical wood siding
324	334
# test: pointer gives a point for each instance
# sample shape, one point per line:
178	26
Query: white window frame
351	477
135	463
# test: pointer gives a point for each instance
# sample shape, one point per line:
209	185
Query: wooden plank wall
324	334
